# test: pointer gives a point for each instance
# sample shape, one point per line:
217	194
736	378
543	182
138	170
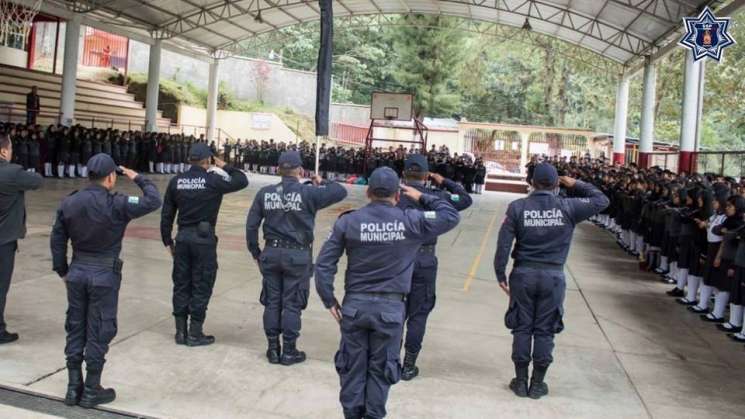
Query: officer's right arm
588	202
504	245
328	194
26	181
326	264
134	207
238	180
438	217
58	244
168	214
253	222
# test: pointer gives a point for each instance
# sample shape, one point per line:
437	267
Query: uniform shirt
381	241
542	225
94	219
454	193
197	195
714	221
289	210
14	182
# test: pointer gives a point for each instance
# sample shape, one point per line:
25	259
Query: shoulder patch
430	215
346	212
454	197
133	200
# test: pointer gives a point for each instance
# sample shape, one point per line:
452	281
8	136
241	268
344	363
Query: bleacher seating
96	104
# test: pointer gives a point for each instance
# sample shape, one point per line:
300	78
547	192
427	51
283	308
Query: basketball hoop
16	20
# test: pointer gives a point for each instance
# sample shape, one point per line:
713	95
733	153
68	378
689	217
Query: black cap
101	165
383	181
416	163
200	151
545	173
290	160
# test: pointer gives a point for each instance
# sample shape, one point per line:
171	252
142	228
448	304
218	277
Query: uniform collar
197	168
380	204
289	179
542	192
95	187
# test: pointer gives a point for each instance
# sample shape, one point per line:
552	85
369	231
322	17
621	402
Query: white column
646	141
690	113
153	84
212	92
524	137
70	70
619	132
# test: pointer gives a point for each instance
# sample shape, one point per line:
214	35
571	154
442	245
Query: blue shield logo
706	35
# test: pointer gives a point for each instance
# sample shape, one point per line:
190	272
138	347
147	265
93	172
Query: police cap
290	159
416	163
101	165
546	174
200	151
383	182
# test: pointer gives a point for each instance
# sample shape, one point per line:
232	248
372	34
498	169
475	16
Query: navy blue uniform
421	300
541	225
381	242
94	220
196	195
288	210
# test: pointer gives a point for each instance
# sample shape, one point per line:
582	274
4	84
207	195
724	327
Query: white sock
720	303
61	170
735	315
693	282
682	278
703	300
71	170
663	263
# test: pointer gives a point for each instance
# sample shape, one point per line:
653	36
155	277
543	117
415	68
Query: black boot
94	394
290	354
519	384
196	337
538	388
273	351
409	370
74	384
8	337
180	330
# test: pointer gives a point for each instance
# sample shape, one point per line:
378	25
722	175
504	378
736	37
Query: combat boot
290	354
180	330
75	384
409	370
274	351
538	388
519	384
94	394
196	337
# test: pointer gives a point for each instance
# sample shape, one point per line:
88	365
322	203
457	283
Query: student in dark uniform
34	153
73	164
381	242
94	221
195	196
288	211
86	152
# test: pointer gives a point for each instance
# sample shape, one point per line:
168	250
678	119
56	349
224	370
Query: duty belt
100	261
427	249
284	244
540	265
393	296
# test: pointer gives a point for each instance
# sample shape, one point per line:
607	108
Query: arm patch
133	200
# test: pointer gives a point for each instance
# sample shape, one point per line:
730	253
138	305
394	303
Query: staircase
97	104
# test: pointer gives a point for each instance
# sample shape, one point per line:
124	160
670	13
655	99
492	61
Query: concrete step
26	84
53	78
54	96
53	105
86	119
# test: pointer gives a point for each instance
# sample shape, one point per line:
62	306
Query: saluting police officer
421	300
289	210
381	242
541	226
196	195
94	220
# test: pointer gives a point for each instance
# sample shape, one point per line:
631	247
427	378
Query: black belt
427	248
284	244
540	265
97	260
393	296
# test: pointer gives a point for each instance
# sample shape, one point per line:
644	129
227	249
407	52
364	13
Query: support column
70	71
646	141
690	114
619	133
212	92
153	84
524	137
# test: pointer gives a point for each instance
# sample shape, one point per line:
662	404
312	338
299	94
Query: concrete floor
627	351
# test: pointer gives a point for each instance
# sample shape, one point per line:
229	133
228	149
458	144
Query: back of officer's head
383	185
102	170
416	167
6	147
545	177
199	155
290	163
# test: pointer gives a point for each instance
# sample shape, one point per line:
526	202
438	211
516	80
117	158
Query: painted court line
477	260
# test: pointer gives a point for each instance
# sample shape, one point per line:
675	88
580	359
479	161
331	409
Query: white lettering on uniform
382	232
543	218
191	183
291	201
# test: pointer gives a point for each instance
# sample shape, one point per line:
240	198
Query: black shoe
736	338
290	354
519	386
180	330
409	370
74	385
706	318
7	337
94	394
273	351
728	327
698	310
684	301
676	292
197	337
537	390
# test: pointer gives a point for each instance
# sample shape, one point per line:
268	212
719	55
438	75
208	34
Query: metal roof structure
623	31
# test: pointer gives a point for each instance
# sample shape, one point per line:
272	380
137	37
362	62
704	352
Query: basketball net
16	19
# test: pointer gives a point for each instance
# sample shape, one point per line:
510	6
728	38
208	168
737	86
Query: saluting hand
219	162
436	178
131	174
316	180
411	192
567	182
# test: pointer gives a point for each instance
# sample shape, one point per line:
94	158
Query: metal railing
664	160
725	163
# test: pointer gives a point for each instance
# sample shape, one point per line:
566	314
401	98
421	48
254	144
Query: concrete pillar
212	92
153	84
70	70
646	141
619	133
690	114
524	137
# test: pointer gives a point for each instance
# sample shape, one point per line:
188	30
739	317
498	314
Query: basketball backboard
392	106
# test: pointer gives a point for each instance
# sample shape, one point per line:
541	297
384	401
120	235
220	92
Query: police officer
421	300
381	242
14	182
94	220
289	210
541	226
196	195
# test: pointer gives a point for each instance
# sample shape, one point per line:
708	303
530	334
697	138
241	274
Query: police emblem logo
706	35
